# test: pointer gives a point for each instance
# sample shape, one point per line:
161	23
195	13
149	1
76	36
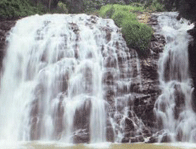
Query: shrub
137	35
106	11
109	10
120	16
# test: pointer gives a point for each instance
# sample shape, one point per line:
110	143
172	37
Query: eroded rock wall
145	88
192	61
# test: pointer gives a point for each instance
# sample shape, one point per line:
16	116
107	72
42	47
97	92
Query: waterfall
62	74
173	107
72	79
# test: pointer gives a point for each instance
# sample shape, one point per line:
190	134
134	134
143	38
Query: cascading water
65	78
71	78
173	107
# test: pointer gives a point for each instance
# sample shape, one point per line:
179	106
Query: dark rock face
5	26
81	123
165	139
145	90
192	62
149	91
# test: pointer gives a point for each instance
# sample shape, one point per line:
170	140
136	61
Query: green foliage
129	8
17	8
163	5
137	35
106	11
61	8
136	4
91	6
155	6
158	6
119	16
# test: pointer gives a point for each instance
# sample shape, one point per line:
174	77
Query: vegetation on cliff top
20	8
17	8
12	9
136	34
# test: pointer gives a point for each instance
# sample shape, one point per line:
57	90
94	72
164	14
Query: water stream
174	106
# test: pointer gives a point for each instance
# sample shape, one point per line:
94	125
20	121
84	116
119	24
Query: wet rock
192	63
179	135
109	133
179	100
35	120
108	35
110	61
82	116
178	17
81	136
140	139
129	124
135	87
74	27
133	140
58	120
5	27
192	32
147	132
153	20
125	140
152	140
136	139
156	46
165	139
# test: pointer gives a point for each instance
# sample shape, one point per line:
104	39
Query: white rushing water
53	85
173	107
